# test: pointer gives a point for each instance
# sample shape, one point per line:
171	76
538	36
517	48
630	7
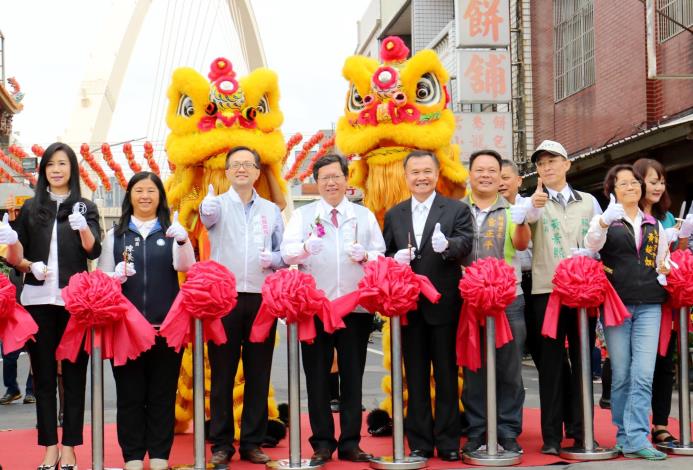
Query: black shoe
510	444
220	460
472	444
427	454
255	455
550	449
9	398
334	406
321	456
355	455
605	403
449	455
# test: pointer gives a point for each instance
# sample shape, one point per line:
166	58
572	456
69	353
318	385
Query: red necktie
334	218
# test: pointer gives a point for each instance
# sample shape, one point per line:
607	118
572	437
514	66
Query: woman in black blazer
59	231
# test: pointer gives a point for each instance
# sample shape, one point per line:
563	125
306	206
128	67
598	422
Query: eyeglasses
335	178
625	184
245	165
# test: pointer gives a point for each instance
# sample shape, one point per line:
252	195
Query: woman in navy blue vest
633	247
59	231
145	252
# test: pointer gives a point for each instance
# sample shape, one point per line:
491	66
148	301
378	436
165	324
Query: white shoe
134	465
158	464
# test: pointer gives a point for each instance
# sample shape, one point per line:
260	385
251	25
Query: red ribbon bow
293	295
487	288
680	288
578	282
95	300
389	288
16	325
209	294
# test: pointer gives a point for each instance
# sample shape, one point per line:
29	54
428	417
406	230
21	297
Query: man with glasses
245	232
331	239
559	219
432	234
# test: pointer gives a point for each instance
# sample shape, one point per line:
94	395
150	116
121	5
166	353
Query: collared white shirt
533	214
48	293
326	210
419	214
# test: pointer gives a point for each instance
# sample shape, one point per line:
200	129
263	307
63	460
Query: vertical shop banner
478	131
482	23
483	76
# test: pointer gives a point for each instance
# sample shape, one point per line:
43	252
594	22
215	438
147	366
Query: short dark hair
510	164
163	213
659	210
490	153
419	154
329	159
239	149
610	178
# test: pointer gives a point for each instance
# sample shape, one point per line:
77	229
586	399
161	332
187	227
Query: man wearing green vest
500	231
559	219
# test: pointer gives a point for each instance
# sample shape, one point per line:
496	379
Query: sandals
656	439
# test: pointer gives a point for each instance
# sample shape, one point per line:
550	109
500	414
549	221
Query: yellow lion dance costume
392	108
206	119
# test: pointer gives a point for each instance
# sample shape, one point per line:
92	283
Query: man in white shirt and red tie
331	239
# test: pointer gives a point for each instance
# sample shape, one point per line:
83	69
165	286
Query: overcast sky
47	45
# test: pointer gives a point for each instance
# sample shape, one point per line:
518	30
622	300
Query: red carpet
18	450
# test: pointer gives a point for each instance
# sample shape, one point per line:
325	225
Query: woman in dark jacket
59	231
145	253
633	248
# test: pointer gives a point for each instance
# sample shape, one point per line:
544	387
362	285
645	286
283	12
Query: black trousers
257	365
146	401
52	320
663	384
350	343
558	405
532	343
424	345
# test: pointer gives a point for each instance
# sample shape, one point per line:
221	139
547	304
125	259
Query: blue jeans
633	351
510	391
9	374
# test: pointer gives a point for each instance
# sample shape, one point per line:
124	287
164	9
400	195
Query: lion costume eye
428	90
263	105
355	102
185	106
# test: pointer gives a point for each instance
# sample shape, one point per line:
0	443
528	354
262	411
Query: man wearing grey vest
245	232
331	239
559	219
501	230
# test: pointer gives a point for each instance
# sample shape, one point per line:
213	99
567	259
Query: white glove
405	255
613	212
265	259
438	240
662	279
686	229
582	252
211	206
123	270
313	245
356	252
176	230
7	235
77	220
672	234
518	212
40	271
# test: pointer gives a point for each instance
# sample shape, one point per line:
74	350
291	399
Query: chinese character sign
482	23
477	131
483	76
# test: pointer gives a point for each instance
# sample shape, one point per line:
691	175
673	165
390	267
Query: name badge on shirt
160	242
